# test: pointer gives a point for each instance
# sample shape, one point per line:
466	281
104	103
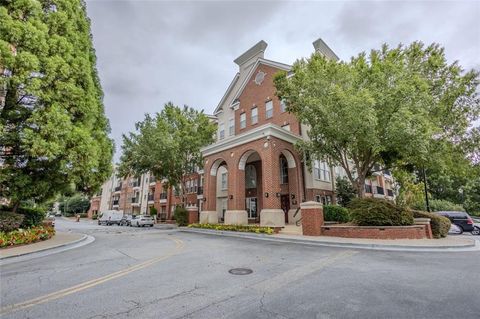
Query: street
151	273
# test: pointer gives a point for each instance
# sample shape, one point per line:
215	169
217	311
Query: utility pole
425	187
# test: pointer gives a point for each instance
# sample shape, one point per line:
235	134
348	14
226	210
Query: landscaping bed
238	228
25	236
375	232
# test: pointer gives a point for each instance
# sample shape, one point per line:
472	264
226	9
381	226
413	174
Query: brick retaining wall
381	232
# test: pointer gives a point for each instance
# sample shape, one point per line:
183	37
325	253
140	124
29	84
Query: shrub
83	215
32	216
153	211
438	205
440	225
378	212
181	216
239	228
94	216
26	236
10	221
335	213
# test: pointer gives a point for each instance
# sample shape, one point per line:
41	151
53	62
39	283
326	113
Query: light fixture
266	194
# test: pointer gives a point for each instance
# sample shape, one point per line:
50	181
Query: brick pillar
192	214
270	179
210	190
236	183
312	218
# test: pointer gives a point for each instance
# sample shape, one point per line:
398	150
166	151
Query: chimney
322	48
256	51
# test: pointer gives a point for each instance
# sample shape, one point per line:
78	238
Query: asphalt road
151	273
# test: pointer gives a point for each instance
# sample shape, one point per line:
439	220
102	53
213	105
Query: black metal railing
163	196
115	202
200	190
119	187
150	197
135	200
380	190
390	192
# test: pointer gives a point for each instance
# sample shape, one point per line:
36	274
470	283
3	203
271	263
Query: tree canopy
167	145
53	128
395	107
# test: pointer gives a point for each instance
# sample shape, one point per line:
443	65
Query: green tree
167	145
76	204
472	197
53	128
395	107
344	191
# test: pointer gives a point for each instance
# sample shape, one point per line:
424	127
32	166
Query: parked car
110	217
142	221
126	220
58	214
461	219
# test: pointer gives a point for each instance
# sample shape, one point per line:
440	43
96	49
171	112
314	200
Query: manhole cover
240	271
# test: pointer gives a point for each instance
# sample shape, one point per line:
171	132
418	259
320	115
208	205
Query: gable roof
227	93
278	65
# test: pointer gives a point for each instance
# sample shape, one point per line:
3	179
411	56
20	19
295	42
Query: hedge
26	236
32	216
440	225
239	228
10	221
335	213
181	216
378	212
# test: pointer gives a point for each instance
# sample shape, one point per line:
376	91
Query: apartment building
252	173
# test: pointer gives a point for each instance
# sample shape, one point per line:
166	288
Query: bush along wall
440	225
377	212
335	213
239	228
181	216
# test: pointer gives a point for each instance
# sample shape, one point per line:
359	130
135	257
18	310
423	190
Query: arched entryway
250	164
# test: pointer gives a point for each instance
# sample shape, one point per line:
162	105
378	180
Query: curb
64	245
448	248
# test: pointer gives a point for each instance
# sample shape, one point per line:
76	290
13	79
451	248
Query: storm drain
240	271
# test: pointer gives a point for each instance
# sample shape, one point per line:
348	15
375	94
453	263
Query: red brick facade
381	232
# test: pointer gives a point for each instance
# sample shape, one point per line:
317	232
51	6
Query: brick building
252	173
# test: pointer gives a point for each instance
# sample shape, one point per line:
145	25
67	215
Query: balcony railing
136	183
380	190
150	197
115	202
390	192
119	187
163	196
200	190
135	200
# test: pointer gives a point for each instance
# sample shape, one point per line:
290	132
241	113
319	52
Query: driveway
151	273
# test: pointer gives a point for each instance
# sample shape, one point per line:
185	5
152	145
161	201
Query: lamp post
425	188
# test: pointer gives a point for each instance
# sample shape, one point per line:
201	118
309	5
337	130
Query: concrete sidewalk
60	239
450	243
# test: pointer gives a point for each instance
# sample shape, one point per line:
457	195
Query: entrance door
285	205
251	205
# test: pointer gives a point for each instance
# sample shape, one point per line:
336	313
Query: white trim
263	131
243	160
224	97
290	159
271	63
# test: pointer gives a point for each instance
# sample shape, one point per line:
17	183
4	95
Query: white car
141	221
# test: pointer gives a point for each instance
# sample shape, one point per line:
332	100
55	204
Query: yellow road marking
91	283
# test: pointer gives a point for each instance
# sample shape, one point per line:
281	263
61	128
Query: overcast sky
152	52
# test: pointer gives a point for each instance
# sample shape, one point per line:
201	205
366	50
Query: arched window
250	176
283	170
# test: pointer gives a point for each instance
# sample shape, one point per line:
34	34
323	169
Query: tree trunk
361	186
15	206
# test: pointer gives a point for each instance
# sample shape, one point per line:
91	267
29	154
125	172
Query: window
221	131
254	115
243	120
231	127
286	127
283	170
340	172
283	106
268	109
250	176
321	171
224	181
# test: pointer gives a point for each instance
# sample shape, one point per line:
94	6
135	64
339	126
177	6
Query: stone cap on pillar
192	209
310	205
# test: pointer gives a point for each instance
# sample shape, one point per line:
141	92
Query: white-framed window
268	109
243	120
321	171
221	131
254	115
250	176
286	127
231	126
224	181
283	106
340	172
